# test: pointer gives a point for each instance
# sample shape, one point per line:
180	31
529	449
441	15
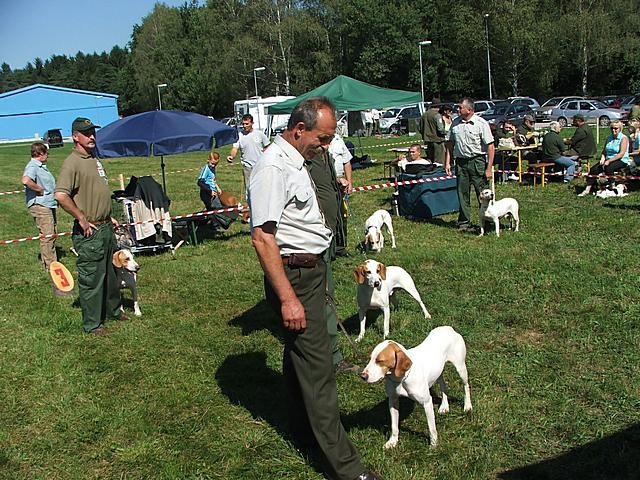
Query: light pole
255	82
255	79
486	33
420	44
161	85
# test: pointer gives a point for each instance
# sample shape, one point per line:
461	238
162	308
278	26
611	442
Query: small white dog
376	286
373	238
127	272
494	210
410	373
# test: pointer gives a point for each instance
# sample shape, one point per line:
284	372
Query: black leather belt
301	260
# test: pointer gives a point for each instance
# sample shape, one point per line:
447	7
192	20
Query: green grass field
193	389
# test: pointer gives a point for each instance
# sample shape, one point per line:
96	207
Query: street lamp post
486	33
255	82
255	79
420	44
161	85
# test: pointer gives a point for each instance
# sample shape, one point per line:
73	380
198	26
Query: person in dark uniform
83	191
290	237
328	189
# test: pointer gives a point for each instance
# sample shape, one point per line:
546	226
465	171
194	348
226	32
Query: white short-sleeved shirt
251	145
470	138
281	191
340	154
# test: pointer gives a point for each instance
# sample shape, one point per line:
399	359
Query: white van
257	107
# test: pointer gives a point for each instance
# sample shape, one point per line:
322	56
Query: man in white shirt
471	145
251	143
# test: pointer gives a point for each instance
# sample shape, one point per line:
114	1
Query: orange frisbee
61	276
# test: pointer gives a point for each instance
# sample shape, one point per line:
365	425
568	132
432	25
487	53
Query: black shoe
368	475
464	227
344	366
342	253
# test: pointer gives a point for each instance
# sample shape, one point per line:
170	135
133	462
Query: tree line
206	52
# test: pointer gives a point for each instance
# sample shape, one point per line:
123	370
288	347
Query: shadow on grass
616	206
613	458
259	317
247	381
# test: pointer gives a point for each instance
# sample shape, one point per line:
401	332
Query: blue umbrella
162	132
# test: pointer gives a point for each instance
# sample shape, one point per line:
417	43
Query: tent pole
164	181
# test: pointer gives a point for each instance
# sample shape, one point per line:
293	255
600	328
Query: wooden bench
541	166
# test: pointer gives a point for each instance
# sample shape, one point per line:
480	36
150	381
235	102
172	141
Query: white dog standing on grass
373	238
493	210
411	372
376	286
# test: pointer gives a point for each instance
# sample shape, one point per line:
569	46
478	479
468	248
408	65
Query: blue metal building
27	113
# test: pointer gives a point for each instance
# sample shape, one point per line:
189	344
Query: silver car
592	110
544	111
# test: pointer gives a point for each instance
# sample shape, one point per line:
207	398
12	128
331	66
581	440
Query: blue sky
41	28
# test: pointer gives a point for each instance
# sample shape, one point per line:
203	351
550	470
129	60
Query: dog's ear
382	271
403	363
359	274
118	260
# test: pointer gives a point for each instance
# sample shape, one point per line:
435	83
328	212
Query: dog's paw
360	337
137	313
468	408
391	443
444	408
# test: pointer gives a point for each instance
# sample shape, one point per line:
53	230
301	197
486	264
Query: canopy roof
350	94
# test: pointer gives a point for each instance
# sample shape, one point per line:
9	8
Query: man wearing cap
583	145
528	128
83	191
434	132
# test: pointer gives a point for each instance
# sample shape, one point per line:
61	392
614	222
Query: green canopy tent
352	95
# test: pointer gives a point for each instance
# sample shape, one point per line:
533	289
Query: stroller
143	209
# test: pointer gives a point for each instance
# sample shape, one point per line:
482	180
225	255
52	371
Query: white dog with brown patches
493	210
127	273
410	373
376	285
373	238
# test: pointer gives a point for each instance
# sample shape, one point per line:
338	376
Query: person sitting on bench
614	157
553	151
582	143
210	192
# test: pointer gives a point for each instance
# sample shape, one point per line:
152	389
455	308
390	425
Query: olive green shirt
85	181
432	127
552	146
583	142
327	188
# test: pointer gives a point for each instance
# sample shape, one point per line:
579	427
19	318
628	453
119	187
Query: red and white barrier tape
177	217
11	193
364	188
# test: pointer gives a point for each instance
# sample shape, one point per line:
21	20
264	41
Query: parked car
592	110
482	105
543	113
630	102
506	111
530	102
396	120
53	138
613	101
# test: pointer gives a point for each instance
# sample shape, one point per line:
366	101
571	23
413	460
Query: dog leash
332	303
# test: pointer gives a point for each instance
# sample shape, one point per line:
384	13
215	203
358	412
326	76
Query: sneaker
513	177
584	193
464	227
343	366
